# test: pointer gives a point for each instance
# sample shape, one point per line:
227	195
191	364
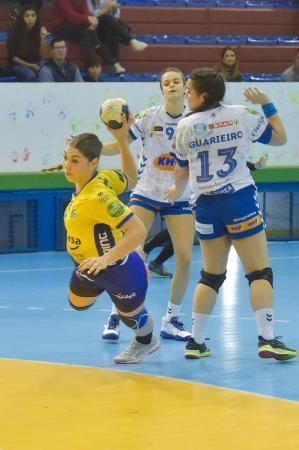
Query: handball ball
112	111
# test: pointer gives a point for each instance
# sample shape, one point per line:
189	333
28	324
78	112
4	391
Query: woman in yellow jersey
102	234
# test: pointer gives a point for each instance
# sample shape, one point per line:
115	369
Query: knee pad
142	323
264	274
79	308
212	280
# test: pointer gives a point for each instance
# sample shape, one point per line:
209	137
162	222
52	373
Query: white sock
199	325
264	322
172	311
113	310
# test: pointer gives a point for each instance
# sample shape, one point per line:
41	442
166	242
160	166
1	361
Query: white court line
36	270
50	269
35	307
212	316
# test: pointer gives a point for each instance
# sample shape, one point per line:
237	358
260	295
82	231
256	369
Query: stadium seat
175	3
147	3
265	77
3	36
111	77
268	4
231	40
139	77
262	40
288	40
148	38
169	39
205	39
8	79
285	4
231	3
201	3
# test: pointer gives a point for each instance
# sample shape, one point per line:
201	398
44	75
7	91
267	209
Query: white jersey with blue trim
215	145
156	128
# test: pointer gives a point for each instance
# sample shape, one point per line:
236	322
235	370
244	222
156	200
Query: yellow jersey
94	216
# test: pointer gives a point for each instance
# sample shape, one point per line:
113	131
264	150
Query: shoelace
177	324
113	323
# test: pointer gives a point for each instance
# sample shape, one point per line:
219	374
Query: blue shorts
163	208
125	283
236	214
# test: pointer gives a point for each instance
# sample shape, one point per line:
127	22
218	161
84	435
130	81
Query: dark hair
93	61
229	72
171	69
211	83
88	144
55	40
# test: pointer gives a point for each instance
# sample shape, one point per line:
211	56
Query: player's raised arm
128	165
257	97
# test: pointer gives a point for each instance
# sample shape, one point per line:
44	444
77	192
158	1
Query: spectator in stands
229	65
73	21
292	73
112	31
58	68
93	68
26	45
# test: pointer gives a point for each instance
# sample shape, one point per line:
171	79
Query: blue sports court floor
79	400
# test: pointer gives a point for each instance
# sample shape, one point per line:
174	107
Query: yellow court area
61	407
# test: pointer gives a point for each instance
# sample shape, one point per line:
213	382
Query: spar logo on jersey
224	123
165	162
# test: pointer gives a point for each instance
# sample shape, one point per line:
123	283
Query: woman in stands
229	65
26	45
211	148
102	234
156	127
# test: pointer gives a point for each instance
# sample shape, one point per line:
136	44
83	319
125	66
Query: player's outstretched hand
256	97
93	265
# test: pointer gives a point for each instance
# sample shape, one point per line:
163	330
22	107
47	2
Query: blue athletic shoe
174	329
111	329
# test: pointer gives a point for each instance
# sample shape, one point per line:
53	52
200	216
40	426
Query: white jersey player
156	127
215	142
211	148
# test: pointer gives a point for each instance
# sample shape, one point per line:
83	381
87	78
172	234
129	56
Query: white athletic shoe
118	68
174	329
138	46
135	352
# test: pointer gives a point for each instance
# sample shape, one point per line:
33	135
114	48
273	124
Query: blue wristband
269	110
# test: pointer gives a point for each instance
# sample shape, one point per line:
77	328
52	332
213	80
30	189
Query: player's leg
215	255
161	239
253	253
111	328
83	291
181	229
127	286
245	225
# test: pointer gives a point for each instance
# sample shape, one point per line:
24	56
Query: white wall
35	119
